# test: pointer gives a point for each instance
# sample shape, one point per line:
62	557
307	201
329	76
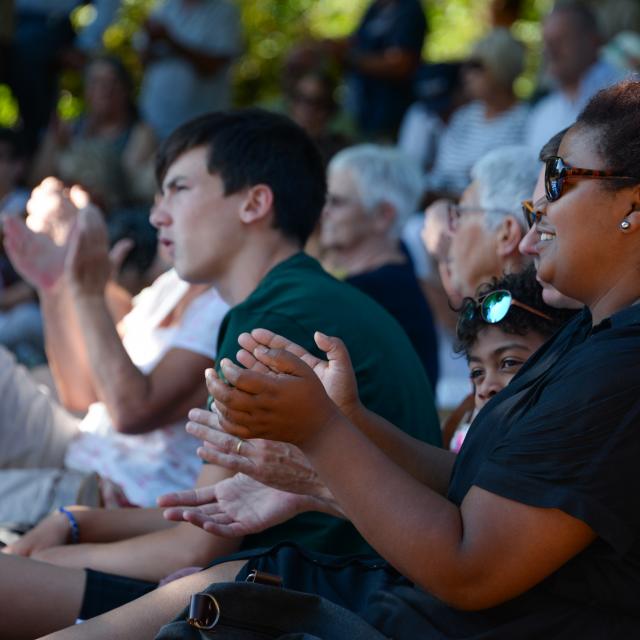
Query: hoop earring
624	225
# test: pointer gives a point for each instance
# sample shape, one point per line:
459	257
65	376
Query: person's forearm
327	504
110	525
65	345
117	381
147	557
411	526
66	354
431	466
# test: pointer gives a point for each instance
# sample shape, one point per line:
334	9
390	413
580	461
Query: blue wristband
73	523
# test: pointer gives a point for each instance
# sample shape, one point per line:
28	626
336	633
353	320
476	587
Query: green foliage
8	107
272	26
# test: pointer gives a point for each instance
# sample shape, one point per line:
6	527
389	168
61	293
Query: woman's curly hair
524	288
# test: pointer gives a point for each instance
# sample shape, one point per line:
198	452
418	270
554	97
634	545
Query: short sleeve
576	447
198	330
242	320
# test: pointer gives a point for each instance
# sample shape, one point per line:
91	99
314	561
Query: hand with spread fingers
237	506
276	464
286	403
34	255
335	373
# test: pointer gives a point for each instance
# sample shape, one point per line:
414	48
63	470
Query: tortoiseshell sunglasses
557	171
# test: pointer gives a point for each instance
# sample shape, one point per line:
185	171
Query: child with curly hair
497	332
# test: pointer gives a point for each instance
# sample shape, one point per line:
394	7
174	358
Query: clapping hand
53	208
336	373
277	464
237	506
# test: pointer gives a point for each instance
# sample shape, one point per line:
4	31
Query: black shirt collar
628	316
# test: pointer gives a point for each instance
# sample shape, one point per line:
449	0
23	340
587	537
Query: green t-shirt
295	299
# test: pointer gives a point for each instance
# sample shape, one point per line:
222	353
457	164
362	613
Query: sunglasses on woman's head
557	172
493	307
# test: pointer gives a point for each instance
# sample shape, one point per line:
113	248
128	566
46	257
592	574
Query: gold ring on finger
239	446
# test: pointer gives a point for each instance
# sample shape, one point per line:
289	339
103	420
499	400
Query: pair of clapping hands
266	414
64	235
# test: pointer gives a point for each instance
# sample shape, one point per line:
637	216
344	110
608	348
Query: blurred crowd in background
373	86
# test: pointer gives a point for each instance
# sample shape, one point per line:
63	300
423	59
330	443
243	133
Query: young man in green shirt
258	216
241	192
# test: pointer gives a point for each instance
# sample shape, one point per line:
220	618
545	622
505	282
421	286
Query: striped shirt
468	137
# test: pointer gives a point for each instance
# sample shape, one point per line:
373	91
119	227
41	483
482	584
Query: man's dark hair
252	146
524	288
613	115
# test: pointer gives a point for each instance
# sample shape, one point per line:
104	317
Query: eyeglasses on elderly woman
557	172
493	308
456	211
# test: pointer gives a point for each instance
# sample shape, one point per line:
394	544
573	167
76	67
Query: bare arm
136	402
428	464
94	525
456	553
38	251
66	353
162	548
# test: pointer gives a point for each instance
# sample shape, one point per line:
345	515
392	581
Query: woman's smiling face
576	238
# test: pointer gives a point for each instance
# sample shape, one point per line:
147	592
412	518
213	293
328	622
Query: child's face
495	358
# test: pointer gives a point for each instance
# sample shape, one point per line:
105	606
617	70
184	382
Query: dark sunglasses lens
469	311
496	306
529	215
466	315
553	179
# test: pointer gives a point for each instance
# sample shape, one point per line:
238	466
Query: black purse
259	611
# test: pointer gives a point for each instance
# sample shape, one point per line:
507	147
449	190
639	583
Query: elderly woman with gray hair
372	192
487	226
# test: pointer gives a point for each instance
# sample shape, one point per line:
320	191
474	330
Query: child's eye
511	363
475	374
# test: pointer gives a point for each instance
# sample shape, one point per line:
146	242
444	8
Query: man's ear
385	217
508	236
257	203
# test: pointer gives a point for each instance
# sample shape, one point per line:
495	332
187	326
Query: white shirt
163	460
